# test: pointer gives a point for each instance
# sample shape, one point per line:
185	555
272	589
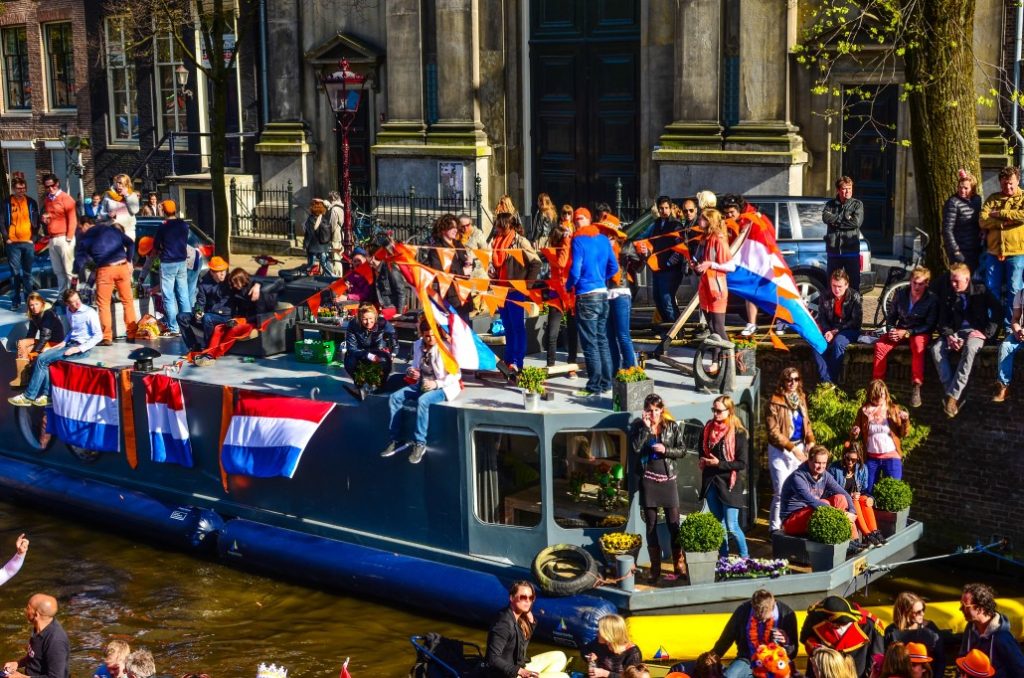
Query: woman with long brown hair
446	254
880	425
722	460
546	217
852	475
910	626
713	289
45	330
789	435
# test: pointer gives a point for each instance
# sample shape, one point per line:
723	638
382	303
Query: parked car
800	234
196	237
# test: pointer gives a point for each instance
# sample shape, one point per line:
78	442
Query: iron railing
408	216
259	212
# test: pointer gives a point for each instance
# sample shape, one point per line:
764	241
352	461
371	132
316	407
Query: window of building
170	96
60	65
590	482
17	86
507	476
122	98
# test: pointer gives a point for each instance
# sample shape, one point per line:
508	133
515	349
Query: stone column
988	23
698	60
403	26
458	74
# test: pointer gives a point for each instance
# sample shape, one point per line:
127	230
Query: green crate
314	350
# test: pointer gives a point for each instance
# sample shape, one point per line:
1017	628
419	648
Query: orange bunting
444	281
520	286
314	304
652	261
446	255
517	254
782	313
490	302
227	410
462	289
366	271
484	256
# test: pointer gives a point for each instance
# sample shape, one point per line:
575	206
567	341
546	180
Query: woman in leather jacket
789	436
723	454
656	440
370	339
45	330
961	234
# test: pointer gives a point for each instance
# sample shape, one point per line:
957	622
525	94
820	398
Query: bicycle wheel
887	299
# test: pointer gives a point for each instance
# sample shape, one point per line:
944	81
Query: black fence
259	212
408	216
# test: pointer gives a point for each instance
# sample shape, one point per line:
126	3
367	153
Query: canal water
197	615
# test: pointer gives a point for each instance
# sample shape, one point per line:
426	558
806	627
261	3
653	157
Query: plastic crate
314	350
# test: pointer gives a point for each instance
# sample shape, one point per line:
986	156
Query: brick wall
41	123
968	476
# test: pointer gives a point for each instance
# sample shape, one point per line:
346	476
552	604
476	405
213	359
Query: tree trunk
218	150
943	119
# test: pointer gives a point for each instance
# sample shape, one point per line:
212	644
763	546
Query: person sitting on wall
969	314
212	308
759	621
1012	342
429	383
911	318
369	339
851	472
810	487
840	314
845	627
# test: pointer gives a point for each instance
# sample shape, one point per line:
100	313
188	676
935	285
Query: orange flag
128	417
517	254
462	289
227	410
444	281
446	254
652	261
484	256
520	286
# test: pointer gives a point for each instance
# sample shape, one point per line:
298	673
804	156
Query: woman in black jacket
252	298
447	255
722	460
45	330
509	639
613	650
909	626
961	234
656	440
370	339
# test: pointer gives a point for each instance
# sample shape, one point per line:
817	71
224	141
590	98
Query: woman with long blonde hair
613	650
881	425
722	462
546	218
713	289
828	663
910	626
120	205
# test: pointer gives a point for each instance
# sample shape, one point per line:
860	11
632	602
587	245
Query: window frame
68	66
177	91
131	92
6	106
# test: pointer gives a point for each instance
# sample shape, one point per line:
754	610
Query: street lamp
344	91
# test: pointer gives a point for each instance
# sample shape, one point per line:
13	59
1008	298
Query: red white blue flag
83	410
268	433
168	427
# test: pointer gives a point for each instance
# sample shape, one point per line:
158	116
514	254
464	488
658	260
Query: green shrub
828	525
833	412
892	495
701	532
531	379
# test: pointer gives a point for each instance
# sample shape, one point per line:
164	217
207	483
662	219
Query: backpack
323	231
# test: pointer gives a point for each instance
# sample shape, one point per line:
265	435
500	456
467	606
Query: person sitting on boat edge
84	334
613	650
13	565
45	330
989	631
429	382
212	307
910	626
759	621
371	339
845	627
509	639
810	487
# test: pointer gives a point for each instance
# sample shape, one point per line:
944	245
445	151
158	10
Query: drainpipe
265	94
1018	39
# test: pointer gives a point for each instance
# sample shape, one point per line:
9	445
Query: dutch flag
168	426
83	410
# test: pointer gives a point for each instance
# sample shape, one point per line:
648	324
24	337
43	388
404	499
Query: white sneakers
749	331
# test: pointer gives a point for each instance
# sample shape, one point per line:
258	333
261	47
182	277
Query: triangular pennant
484	256
462	289
446	254
776	342
444	281
314	304
517	254
366	271
520	286
652	261
499	293
490	302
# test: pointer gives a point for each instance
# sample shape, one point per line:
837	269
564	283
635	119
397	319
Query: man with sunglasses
911	318
989	631
19	226
664	233
60	214
49	649
810	487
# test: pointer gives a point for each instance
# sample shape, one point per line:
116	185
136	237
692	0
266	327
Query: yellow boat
685	636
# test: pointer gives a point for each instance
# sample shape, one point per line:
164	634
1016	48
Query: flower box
825	557
700	566
891	523
629	396
735	567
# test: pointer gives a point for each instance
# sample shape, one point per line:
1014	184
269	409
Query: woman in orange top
565	218
559	256
713	290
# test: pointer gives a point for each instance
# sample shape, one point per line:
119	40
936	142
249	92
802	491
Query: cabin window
507	477
590	481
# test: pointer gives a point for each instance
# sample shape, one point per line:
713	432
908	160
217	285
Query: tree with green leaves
215	23
930	41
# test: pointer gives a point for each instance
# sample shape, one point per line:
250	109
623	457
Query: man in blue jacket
809	487
171	245
989	631
213	306
112	252
593	263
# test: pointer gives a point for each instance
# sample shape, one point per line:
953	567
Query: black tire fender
565	570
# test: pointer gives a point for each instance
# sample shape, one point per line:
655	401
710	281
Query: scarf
755	637
114	195
715	432
792	400
499	250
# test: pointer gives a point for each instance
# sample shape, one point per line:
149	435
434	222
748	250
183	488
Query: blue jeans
513	316
830	363
893	469
1009	346
620	344
188	330
666	284
1008	273
174	287
39	384
739	668
323	258
193	282
729	516
592	323
849	263
423	402
19	257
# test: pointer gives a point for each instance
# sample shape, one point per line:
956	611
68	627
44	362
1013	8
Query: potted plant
828	534
617	543
531	380
746	355
629	389
892	505
701	535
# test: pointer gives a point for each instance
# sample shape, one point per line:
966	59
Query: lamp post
344	91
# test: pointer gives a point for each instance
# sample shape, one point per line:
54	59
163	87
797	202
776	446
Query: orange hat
169	207
976	663
918	653
145	245
217	264
581	212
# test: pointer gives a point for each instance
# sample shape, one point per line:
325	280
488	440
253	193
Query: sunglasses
690	211
920	611
790	380
524	597
719	410
852	458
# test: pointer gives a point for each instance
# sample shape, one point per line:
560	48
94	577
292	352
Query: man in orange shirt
60	214
19	223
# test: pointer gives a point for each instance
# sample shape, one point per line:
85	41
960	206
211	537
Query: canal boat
499	484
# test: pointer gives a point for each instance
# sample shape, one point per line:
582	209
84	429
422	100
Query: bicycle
899	278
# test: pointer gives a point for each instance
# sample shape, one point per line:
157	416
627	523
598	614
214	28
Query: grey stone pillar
458	73
764	62
284	67
698	61
988	23
403	25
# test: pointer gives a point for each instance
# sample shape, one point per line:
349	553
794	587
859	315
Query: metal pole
233	191
291	211
618	197
348	239
478	190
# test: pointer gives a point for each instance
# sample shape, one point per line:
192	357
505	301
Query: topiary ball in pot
892	495
828	525
701	532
